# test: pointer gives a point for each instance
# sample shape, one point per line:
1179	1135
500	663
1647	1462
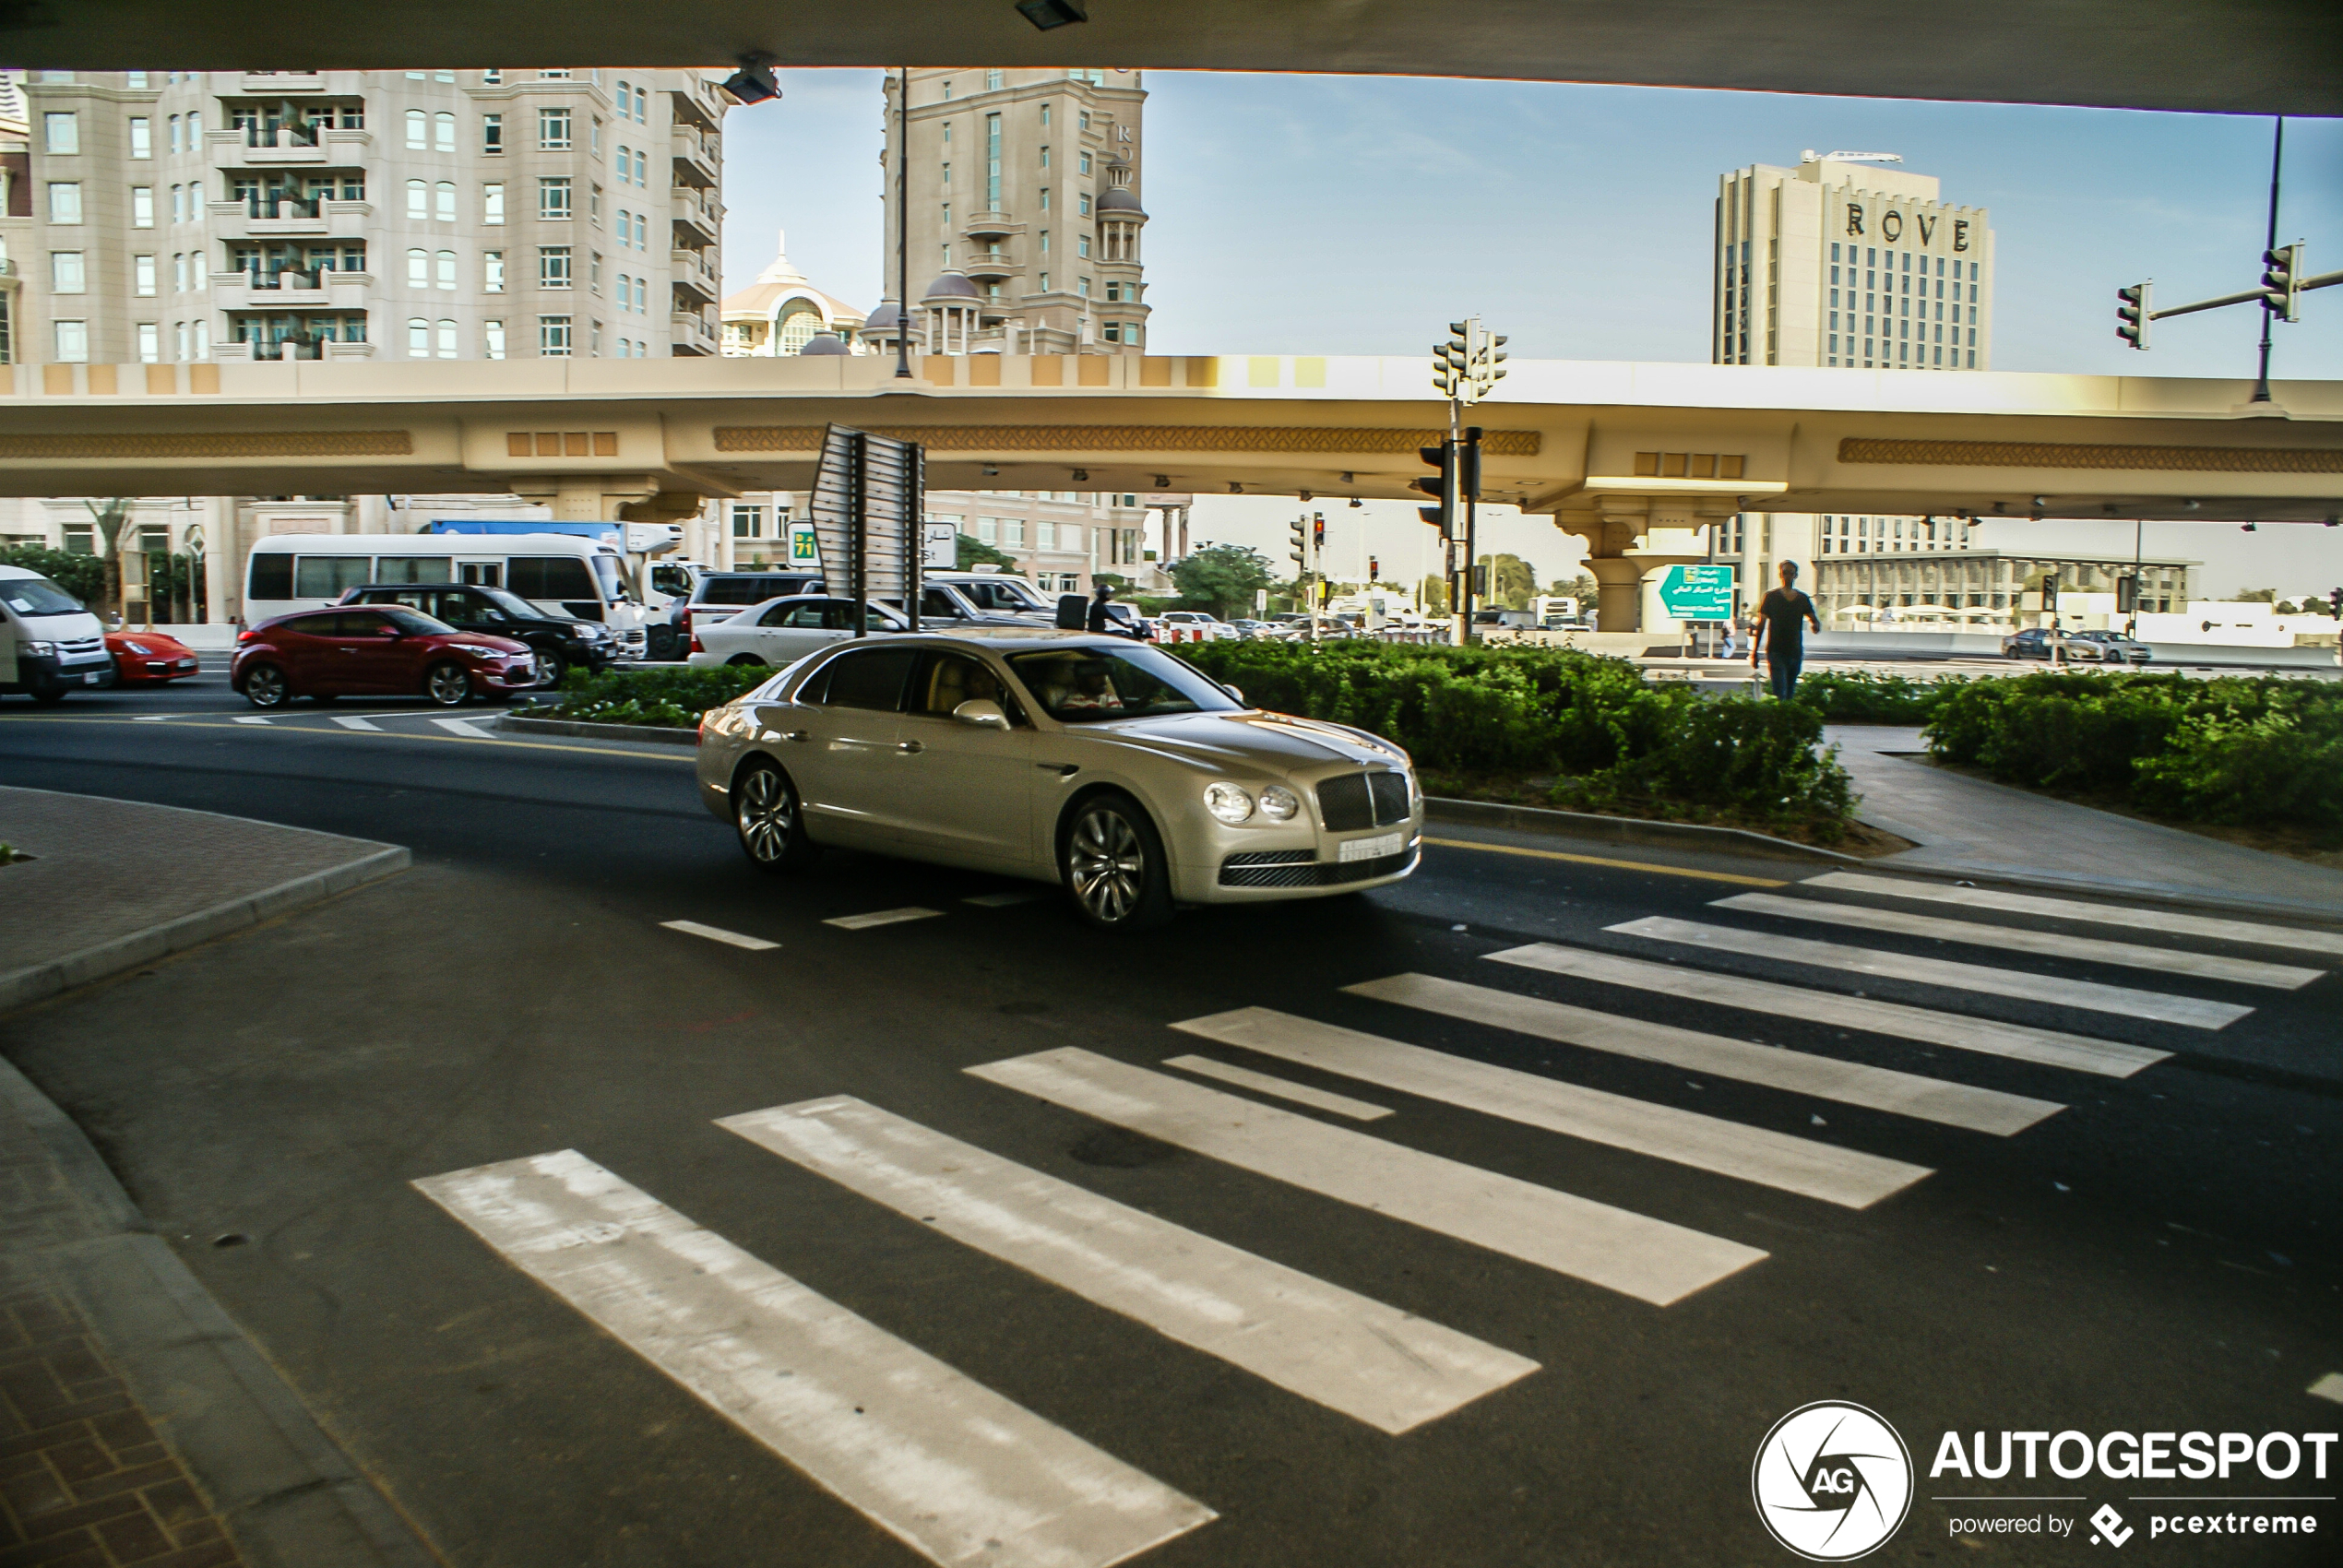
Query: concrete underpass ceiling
2257	56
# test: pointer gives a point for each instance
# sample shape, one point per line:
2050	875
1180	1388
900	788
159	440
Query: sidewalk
1970	828
138	1424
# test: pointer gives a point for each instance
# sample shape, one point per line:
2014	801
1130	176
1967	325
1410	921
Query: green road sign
1697	593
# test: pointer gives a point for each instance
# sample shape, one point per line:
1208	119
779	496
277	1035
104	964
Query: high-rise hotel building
1024	211
1841	263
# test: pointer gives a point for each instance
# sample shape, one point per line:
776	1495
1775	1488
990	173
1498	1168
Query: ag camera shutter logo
1832	1481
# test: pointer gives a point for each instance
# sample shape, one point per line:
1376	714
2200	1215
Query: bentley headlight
1279	803
1228	802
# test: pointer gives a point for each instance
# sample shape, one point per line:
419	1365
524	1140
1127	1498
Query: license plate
90	679
1371	848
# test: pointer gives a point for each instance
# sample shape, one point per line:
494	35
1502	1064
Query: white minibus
560	574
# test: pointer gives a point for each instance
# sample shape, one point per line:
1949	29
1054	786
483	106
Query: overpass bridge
1632	457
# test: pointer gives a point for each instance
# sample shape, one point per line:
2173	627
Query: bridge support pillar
1619	599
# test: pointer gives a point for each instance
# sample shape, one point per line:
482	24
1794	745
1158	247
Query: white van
560	574
49	643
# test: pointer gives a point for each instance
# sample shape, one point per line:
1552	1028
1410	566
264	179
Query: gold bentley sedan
1109	767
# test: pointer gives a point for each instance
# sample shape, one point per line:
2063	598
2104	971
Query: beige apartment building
1024	211
436	214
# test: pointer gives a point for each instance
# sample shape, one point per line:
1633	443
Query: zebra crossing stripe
2327	942
351	723
2015	939
2020	1042
1375	1364
1301	1094
2193	1011
247	718
945	1464
1632	1253
1848	1177
1797	1071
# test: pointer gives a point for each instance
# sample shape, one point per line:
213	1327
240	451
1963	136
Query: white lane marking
2015	939
2329	1387
1799	1072
463	727
1847	1177
945	1464
717	933
151	717
1649	1259
2171	920
1301	1094
882	917
2193	1011
351	723
1002	900
1374	1363
2019	1042
247	720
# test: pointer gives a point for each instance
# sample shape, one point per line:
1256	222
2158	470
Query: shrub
1857	697
84	577
673	697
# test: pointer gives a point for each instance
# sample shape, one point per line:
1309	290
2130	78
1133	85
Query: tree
1512	581
970	550
2258	596
84	577
1433	594
1582	587
1223	579
112	517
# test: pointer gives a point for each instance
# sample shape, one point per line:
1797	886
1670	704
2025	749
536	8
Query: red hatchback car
149	657
389	651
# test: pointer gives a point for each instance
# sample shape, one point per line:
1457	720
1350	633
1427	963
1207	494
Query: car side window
870	678
361	623
951	679
781	616
312	626
937	603
837	616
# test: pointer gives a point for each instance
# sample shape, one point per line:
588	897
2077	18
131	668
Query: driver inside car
1091	688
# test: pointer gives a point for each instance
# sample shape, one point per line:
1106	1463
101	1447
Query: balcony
990	226
694	227
690	110
288	147
995	262
277	84
694	164
695	283
259	218
691	332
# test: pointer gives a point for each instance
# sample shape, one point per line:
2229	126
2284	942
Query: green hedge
1857	696
1606	739
2243	750
674	697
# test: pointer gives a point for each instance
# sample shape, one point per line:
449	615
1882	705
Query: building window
1045	535
418	201
992	163
553	267
987	531
142	207
947	177
68	272
446	268
178	204
1013	531
443	132
60	133
748	522
142	137
416	120
553	199
1045	198
491	339
492	272
73	341
1083	201
1114	332
1045	116
552	130
179	271
594	270
418	270
991	80
444	201
1082	287
142	272
418	338
491	134
1086	163
446	339
1082	246
1045	283
150	342
491	205
552	337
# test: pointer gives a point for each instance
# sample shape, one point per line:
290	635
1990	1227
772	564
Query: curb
1630	830
21	986
599	732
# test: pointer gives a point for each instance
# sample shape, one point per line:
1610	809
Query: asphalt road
2155	1252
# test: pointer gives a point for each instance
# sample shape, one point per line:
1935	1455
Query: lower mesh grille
1295	869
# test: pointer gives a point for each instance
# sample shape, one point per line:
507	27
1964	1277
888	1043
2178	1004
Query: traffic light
2132	314
1486	363
1318	531
1448	367
1301	543
2282	280
1468	465
1374	569
2335	603
1440	486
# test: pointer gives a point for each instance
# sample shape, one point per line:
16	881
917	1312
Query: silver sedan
1116	770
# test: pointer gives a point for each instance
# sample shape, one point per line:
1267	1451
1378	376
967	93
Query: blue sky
1358	214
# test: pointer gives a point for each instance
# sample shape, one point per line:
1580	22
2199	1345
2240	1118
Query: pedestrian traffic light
2132	314
1301	543
2282	280
1440	486
1374	569
1318	531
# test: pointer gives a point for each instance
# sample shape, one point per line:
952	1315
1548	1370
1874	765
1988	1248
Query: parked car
947	607
998	593
718	596
150	658
2108	648
1117	771
557	642
50	644
1250	629
1192	625
2034	642
387	651
781	631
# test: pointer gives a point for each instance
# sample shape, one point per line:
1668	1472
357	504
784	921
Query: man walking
1780	633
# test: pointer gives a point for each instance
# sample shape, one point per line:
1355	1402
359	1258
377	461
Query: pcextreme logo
1832	1481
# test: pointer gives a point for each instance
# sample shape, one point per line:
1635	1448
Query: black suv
558	641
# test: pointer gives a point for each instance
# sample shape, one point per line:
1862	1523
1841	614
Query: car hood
1275	741
482	639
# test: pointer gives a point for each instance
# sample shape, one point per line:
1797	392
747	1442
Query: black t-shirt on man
1784	614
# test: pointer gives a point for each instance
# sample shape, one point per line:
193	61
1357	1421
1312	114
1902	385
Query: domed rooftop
1114	198
883	318
950	289
824	343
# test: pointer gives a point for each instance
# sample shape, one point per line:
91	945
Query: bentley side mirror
1233	692
983	713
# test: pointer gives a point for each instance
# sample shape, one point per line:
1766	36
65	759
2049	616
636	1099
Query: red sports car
149	657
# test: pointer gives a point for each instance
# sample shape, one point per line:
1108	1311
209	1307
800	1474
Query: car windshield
37	596
512	604
1080	686
1001	593
415	623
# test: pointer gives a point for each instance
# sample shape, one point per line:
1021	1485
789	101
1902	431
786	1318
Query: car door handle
911	746
794	735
